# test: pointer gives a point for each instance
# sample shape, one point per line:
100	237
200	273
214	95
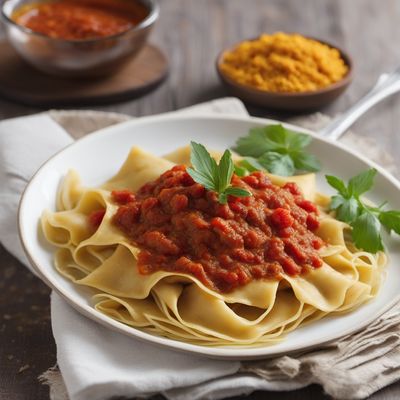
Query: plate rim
222	353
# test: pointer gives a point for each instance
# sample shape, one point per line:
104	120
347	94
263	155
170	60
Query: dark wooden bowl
299	101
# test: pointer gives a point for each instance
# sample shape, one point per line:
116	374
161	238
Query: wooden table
192	32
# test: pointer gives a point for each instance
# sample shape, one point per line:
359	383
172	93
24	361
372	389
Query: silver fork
386	85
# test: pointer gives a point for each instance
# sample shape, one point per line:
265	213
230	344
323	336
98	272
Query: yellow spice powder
284	63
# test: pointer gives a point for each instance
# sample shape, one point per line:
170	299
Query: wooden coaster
22	83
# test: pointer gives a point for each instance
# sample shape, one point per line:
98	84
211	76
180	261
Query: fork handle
386	85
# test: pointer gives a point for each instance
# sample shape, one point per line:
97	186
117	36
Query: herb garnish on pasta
365	219
213	176
277	150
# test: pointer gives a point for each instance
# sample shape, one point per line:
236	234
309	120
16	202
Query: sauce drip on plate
81	19
179	226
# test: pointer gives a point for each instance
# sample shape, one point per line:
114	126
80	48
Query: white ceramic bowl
98	156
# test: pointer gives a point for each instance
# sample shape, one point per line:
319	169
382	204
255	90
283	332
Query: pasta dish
165	254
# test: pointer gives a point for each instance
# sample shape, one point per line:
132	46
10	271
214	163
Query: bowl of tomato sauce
78	38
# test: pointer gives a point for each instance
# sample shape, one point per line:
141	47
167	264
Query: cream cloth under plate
97	363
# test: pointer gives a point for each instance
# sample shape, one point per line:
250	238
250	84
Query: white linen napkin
97	363
25	144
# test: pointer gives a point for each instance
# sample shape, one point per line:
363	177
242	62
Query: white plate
98	156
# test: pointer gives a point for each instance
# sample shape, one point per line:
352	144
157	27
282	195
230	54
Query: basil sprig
213	176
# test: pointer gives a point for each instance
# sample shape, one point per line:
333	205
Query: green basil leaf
225	171
366	232
362	182
237	191
213	176
222	198
391	220
203	179
202	161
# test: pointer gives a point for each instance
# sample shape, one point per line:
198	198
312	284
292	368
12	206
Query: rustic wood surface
192	32
20	82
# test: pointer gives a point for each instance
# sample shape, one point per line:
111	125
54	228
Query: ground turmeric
284	63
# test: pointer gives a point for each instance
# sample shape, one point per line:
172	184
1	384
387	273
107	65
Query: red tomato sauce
81	19
96	218
179	226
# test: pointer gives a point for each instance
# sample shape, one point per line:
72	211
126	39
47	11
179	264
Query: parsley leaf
348	210
367	232
257	142
277	150
213	176
365	220
337	201
337	184
277	164
391	220
247	166
241	171
305	162
362	182
251	164
297	141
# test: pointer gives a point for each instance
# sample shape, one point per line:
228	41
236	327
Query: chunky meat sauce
179	226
